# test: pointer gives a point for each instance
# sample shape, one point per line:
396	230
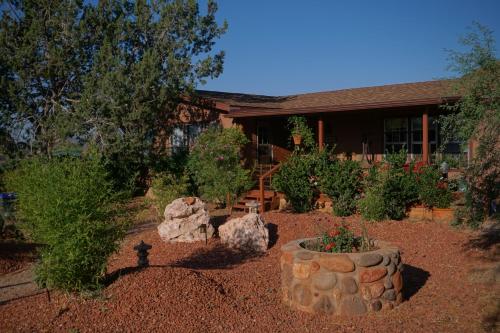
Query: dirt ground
451	284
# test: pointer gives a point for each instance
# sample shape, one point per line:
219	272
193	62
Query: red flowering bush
339	240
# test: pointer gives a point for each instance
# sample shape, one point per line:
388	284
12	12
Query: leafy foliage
389	189
476	116
341	181
215	164
65	204
339	240
112	74
167	187
432	191
298	126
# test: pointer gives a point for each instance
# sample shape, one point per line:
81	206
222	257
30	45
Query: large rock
246	233
186	219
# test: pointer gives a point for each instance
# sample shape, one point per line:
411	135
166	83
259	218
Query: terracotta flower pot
297	139
420	213
442	215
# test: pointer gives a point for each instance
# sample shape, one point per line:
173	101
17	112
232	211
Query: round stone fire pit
341	283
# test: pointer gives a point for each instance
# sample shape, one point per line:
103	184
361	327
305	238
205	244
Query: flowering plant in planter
339	240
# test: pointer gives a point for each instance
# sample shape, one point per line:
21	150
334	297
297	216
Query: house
361	123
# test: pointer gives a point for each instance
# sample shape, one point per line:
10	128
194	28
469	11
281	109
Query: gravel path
208	288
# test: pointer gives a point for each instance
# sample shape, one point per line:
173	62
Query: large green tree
476	116
112	73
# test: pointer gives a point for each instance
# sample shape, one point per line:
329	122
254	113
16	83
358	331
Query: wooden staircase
262	177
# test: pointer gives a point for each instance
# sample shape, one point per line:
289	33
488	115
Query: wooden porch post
321	133
425	136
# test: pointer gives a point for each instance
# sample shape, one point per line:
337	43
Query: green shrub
64	203
341	181
339	240
167	187
372	206
296	180
215	164
432	192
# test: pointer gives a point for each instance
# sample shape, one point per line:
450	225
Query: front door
264	146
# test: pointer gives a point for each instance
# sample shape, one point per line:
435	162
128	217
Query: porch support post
425	136
321	133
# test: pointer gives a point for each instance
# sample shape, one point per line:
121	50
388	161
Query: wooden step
255	194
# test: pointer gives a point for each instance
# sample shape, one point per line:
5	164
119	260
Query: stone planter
442	215
419	213
341	283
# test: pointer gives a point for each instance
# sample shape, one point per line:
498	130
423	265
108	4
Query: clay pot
297	139
442	215
420	213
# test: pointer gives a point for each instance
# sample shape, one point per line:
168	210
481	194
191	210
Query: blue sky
280	47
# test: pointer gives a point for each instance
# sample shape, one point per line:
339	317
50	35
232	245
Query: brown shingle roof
419	93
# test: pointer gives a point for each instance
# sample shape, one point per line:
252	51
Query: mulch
209	288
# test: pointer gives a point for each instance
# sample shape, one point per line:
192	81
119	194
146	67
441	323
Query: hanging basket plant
301	133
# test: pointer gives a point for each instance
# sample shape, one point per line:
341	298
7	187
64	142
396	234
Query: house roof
394	95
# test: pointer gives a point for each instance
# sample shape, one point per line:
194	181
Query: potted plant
299	129
435	194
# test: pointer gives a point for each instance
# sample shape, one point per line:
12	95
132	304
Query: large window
406	133
184	136
395	134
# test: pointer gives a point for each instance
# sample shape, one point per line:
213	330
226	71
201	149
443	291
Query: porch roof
387	96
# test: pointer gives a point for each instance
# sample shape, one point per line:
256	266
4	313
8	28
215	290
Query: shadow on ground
414	279
215	257
488	239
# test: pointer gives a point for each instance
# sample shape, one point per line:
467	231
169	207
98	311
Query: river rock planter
341	283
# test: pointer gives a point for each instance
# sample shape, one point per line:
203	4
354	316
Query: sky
281	47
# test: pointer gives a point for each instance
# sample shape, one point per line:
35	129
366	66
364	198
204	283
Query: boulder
186	220
246	233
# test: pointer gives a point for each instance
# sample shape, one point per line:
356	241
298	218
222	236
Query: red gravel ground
208	288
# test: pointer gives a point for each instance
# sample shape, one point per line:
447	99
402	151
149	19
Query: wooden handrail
261	185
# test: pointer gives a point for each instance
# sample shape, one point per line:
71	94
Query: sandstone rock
324	305
349	286
301	270
302	295
377	289
365	292
304	255
287	257
183	222
387	306
337	295
386	260
388	283
369	259
391	269
287	275
376	305
324	281
372	274
337	263
314	267
397	281
247	233
352	305
389	295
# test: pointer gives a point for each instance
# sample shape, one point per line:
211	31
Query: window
416	136
184	136
395	134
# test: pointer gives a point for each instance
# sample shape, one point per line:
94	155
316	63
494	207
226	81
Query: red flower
334	233
329	246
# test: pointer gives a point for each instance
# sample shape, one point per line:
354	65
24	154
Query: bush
372	206
298	126
341	181
296	179
167	187
64	203
215	164
433	192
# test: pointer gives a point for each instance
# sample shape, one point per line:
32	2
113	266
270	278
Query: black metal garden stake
142	254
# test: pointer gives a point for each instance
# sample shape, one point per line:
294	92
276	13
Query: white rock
184	220
246	233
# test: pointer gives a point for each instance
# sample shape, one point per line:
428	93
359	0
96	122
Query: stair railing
268	174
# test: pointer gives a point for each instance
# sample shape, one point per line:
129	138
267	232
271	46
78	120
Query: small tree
216	166
476	116
64	204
